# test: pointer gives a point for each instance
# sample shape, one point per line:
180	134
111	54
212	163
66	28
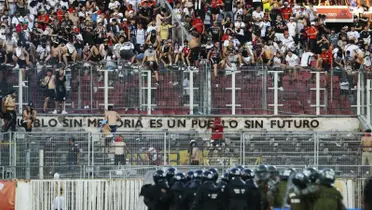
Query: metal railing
40	155
247	90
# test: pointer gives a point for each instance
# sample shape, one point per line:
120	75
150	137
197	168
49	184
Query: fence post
105	87
369	101
359	93
316	149
233	92
276	93
165	149
191	88
28	159
20	91
317	92
242	148
41	164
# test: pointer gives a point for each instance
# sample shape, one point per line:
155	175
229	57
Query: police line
40	194
202	123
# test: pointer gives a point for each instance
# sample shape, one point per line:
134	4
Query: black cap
30	104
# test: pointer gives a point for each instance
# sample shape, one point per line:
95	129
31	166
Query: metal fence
247	90
40	155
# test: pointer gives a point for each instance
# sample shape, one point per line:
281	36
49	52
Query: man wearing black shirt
228	4
145	13
357	25
215	32
365	36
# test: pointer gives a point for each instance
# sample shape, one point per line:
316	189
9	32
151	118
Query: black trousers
11	117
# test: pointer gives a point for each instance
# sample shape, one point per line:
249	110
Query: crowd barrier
249	90
41	154
111	194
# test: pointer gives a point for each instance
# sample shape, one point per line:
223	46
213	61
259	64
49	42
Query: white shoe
64	112
24	84
54	112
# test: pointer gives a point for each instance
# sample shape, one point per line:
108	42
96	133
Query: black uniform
191	189
207	197
237	193
254	195
177	195
156	197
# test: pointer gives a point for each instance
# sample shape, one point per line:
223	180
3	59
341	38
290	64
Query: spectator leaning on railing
229	34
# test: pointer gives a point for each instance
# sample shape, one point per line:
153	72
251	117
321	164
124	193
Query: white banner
153	123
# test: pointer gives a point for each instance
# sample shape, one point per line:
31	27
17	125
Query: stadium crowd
230	34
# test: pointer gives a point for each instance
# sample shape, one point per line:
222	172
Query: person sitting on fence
10	115
112	117
29	116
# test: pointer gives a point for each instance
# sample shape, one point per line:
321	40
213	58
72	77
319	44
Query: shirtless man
112	117
10	113
50	93
55	55
195	48
268	53
366	145
151	60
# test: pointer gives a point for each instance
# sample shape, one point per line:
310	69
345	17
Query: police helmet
158	176
286	173
240	167
234	172
215	173
208	176
189	175
170	173
225	177
197	174
180	177
273	171
247	174
300	180
312	174
261	173
327	176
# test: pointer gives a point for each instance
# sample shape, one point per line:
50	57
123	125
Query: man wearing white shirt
257	15
292	25
353	34
292	62
289	42
305	58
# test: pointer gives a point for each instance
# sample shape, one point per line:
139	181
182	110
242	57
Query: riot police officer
312	174
207	197
215	174
327	196
254	196
170	174
277	191
262	178
189	175
192	187
156	197
177	192
294	198
236	191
